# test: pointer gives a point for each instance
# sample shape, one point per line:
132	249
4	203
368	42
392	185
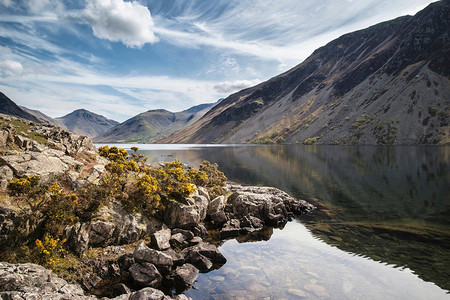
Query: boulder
161	239
148	294
162	260
216	210
200	261
208	250
177	258
145	274
181	215
185	276
259	202
200	199
7	224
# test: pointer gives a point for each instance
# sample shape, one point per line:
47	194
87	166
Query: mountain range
387	84
152	125
143	128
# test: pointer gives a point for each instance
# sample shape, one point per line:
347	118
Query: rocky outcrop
111	226
45	150
30	281
250	208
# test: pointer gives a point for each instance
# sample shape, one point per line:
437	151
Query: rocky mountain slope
387	84
8	107
86	123
152	125
40	115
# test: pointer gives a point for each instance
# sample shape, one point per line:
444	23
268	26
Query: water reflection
387	203
293	264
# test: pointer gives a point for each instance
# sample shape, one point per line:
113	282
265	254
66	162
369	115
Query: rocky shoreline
125	254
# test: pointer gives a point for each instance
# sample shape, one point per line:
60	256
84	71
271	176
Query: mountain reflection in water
385	207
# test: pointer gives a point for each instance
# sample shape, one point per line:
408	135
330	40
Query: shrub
216	179
49	251
311	140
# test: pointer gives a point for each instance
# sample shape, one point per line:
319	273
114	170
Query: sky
119	58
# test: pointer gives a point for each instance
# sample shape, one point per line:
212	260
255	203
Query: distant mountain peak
84	122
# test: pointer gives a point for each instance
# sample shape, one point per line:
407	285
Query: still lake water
381	230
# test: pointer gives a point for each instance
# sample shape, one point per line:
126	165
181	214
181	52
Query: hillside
152	125
40	115
86	123
387	84
8	107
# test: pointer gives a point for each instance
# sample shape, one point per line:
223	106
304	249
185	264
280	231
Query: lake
381	230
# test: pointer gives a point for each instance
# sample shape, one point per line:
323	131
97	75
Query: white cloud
6	3
10	68
229	87
116	20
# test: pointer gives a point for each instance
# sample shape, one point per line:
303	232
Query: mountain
152	125
42	116
387	84
8	107
86	123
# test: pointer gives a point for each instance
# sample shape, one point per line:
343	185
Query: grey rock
200	230
200	198
179	215
162	260
148	294
185	275
6	175
177	258
101	233
161	239
77	237
216	210
145	274
178	240
208	250
187	234
231	228
200	261
30	281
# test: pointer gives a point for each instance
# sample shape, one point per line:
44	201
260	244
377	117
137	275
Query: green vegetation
311	140
386	132
362	122
347	118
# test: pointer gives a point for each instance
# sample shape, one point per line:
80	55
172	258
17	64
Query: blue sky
119	58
